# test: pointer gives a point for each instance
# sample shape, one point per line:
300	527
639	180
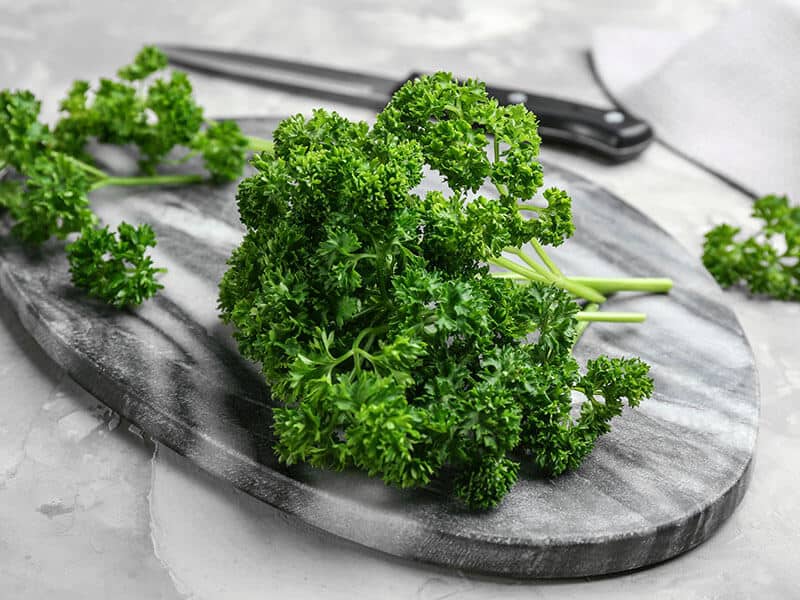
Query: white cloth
728	98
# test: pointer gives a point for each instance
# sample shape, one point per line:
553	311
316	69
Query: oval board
661	482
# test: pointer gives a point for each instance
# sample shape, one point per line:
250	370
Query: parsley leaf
224	149
149	60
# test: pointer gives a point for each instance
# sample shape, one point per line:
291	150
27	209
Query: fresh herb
144	108
22	136
54	201
388	343
114	268
155	114
767	262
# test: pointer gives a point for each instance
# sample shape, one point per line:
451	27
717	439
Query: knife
613	134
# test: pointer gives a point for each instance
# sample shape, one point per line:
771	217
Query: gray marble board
665	478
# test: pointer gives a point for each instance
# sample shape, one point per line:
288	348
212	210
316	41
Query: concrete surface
75	524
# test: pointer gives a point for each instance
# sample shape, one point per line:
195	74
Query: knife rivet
517	98
614	116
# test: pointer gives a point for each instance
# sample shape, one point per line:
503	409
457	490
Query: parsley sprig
114	267
767	262
143	107
388	343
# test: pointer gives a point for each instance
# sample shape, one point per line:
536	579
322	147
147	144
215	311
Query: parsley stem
85	167
631	284
148	180
529	261
610	317
590	288
546	259
526	272
537	272
183	159
257	144
580	290
254	144
582	325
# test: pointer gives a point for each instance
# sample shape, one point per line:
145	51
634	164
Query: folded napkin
728	98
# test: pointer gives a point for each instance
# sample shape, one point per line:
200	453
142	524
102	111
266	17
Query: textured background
87	510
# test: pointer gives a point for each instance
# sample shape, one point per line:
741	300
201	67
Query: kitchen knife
612	134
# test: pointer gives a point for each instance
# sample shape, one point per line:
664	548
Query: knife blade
612	134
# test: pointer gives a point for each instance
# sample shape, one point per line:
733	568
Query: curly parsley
767	262
389	345
114	267
143	107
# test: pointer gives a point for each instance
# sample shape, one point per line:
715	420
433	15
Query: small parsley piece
22	136
54	202
149	60
48	196
176	119
767	262
113	266
389	345
153	112
224	148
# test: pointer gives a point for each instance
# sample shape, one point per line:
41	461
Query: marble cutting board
665	478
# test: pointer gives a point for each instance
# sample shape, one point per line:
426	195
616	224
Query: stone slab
660	483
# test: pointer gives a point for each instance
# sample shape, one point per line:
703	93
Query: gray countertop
87	510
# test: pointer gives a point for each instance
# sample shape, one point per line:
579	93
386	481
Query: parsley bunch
767	262
388	343
49	197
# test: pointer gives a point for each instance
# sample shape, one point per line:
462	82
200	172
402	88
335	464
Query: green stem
254	144
148	180
539	273
85	167
606	285
546	259
501	189
183	159
357	352
580	290
610	317
582	325
257	144
591	313
519	269
337	361
368	331
530	262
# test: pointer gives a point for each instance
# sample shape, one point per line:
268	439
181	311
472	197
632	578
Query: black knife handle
612	133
